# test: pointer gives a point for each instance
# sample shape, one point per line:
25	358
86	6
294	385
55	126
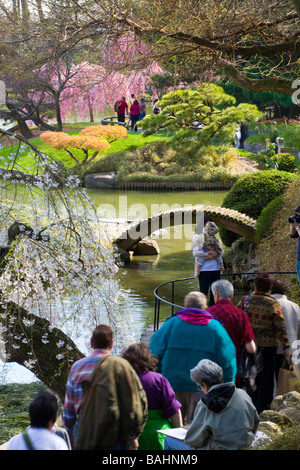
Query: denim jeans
298	269
171	443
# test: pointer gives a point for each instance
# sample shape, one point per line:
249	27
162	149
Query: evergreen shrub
252	193
266	219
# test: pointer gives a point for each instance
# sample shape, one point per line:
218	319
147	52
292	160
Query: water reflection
175	260
144	274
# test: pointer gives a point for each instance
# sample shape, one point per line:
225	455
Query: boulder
124	255
269	428
276	417
100	180
293	414
147	247
290	399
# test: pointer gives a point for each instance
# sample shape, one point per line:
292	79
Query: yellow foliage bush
60	140
110	133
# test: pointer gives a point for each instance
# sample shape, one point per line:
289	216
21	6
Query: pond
144	273
175	260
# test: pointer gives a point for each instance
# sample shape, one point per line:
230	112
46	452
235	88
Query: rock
276	417
293	414
291	399
147	247
124	255
100	180
269	428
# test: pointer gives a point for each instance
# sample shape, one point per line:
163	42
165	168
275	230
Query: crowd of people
135	111
186	378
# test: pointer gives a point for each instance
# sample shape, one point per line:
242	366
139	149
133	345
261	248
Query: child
207	241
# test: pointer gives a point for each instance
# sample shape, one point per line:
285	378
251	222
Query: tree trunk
24	129
14	115
91	111
30	339
58	112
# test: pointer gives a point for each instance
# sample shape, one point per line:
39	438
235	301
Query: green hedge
267	216
252	193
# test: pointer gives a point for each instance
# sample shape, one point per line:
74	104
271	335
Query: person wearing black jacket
294	233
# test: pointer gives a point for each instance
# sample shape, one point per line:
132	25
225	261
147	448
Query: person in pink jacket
134	114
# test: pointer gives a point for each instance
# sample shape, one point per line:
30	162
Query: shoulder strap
96	377
27	441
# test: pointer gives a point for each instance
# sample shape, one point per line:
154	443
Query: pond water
144	273
175	261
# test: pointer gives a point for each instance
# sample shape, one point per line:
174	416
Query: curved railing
172	283
112	120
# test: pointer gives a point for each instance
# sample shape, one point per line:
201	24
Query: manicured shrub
266	219
286	162
252	193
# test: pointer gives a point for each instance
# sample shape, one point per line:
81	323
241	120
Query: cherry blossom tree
94	89
58	271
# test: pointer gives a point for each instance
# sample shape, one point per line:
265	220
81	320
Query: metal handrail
159	299
112	120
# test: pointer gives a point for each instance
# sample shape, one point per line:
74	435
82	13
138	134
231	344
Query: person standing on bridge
210	270
183	340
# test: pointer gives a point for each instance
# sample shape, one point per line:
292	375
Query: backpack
116	106
114	405
155	110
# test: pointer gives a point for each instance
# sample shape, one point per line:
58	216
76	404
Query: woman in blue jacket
186	338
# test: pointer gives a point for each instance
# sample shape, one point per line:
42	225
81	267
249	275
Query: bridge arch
229	219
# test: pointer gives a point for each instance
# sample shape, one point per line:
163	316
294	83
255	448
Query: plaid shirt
79	372
235	322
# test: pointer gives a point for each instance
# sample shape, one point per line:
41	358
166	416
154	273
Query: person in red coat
234	320
121	108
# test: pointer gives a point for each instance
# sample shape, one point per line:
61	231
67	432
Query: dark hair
44	408
135	102
140	357
279	287
102	337
263	282
207	218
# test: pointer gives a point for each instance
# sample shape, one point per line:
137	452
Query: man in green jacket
108	397
183	340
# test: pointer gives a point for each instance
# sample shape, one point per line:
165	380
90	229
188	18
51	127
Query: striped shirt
79	372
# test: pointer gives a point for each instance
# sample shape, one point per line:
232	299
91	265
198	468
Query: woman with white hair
225	417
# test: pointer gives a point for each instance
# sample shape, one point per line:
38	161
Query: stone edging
175	185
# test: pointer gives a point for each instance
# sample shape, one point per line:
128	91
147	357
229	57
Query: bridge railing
169	299
112	120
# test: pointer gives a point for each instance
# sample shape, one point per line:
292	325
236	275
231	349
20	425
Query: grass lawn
14	402
26	161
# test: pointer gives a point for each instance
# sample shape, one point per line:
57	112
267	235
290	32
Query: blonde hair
195	300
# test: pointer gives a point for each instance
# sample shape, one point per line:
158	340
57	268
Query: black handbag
248	368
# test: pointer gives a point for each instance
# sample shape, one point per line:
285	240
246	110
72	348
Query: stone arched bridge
229	219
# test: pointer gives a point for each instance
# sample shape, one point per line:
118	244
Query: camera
294	218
